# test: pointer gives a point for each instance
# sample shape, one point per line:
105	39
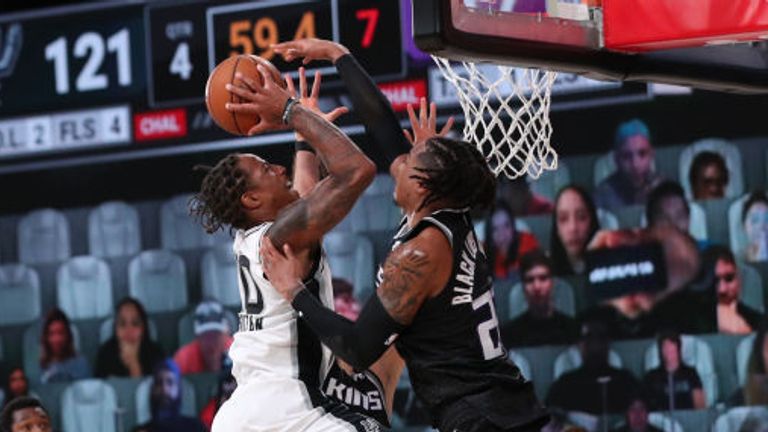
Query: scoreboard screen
127	79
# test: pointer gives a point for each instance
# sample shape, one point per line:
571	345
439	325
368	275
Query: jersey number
488	330
254	302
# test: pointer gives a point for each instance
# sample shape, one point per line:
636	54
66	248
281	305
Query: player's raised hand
311	101
285	270
425	125
310	49
266	101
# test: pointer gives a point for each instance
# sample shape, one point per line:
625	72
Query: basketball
217	96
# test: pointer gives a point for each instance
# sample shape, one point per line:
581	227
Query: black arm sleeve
358	343
374	109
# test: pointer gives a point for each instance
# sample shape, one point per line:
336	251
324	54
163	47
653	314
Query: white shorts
286	405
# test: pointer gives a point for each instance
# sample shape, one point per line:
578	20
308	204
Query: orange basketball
216	94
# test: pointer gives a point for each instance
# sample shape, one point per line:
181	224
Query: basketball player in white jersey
279	364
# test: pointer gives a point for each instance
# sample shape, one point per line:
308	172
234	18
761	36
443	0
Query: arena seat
562	296
375	210
187	325
549	183
180	230
19	294
351	257
605	166
570	359
742	419
89	406
663	422
143	413
608	220
158	279
696	353
522	363
218	276
84	288
743	355
107	329
730	154
751	287
735	227
113	230
31	349
43	237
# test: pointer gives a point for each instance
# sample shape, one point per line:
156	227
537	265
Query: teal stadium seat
376	210
730	154
43	237
522	363
158	279
663	422
143	413
218	276
743	354
736	227
743	419
696	353
570	359
19	294
84	288
180	230
351	258
697	227
113	230
607	220
31	349
549	183
89	406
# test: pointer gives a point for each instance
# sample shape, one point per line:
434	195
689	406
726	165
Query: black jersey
453	347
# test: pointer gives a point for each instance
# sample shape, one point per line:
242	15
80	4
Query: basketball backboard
710	44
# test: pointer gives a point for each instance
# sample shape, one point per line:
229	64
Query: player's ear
251	200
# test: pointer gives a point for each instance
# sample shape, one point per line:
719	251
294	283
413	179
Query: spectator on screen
165	402
344	301
635	176
17	385
708	176
755	221
505	244
672	373
583	389
667	206
520	199
224	389
211	343
636	417
130	352
59	360
541	323
25	414
755	389
733	316
573	225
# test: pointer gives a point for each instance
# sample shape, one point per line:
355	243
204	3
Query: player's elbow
364	173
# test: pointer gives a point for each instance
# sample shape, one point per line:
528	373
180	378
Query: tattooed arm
413	272
303	223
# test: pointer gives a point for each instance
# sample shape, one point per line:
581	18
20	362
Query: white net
506	112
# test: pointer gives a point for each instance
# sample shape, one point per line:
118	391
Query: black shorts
462	416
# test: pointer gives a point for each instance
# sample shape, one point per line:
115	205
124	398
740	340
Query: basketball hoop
506	112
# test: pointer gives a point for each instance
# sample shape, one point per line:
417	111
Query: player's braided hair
457	173
218	202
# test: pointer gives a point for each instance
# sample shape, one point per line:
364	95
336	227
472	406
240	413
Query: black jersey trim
442	227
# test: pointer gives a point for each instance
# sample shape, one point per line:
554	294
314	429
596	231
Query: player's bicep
405	282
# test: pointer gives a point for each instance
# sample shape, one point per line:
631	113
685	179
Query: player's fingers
302	82
242	108
336	113
289	85
260	127
408	136
308	59
288	251
423	112
447	127
249	82
316	85
432	116
268	80
240	91
412	116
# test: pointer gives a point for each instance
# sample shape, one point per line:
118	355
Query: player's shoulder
430	244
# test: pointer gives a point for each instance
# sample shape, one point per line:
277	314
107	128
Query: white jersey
279	364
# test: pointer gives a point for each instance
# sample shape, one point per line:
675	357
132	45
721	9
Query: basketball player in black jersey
434	296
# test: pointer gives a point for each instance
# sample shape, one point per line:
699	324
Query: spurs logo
10	47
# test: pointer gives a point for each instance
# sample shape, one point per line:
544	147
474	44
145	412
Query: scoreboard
99	76
127	79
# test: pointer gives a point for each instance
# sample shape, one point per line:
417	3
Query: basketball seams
234	98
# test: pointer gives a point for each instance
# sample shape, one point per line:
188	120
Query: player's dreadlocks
218	202
456	172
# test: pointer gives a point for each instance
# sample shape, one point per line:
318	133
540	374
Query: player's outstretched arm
303	223
371	106
413	272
